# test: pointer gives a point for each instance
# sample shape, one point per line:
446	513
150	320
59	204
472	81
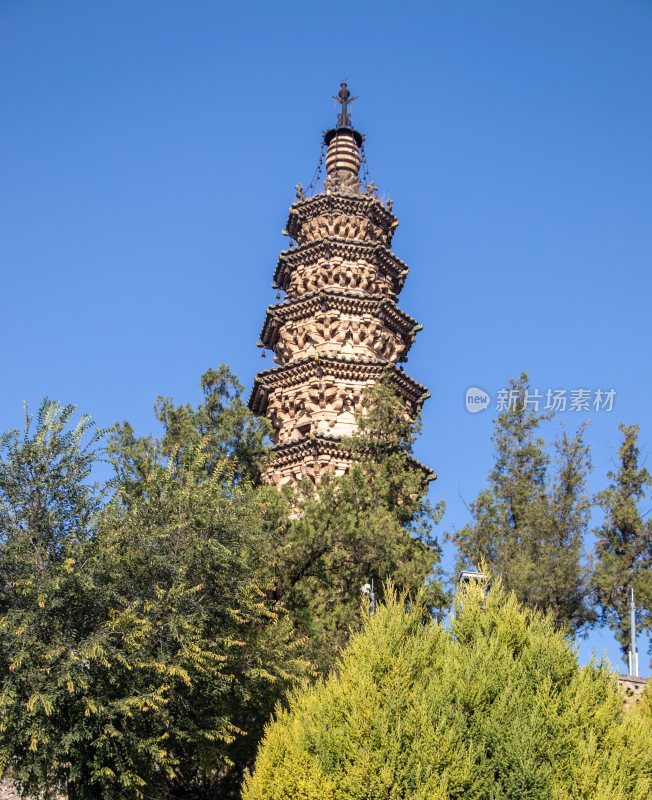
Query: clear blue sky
148	155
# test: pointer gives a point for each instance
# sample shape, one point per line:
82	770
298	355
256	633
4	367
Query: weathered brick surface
634	687
339	327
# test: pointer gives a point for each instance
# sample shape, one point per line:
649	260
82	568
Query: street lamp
468	576
368	589
633	652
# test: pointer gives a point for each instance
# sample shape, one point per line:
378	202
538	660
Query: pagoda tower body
339	328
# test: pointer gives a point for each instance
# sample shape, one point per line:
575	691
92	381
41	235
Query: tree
48	515
644	705
529	525
368	524
206	654
221	420
139	651
491	705
624	544
324	543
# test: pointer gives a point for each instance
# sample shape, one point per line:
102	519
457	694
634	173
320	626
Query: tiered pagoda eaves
339	328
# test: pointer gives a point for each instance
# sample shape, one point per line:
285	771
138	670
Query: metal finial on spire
344	98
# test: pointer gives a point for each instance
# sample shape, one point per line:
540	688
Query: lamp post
368	589
633	652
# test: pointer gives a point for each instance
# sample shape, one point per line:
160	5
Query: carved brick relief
354	228
359	277
335	333
324	407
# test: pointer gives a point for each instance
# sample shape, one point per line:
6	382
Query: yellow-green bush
492	706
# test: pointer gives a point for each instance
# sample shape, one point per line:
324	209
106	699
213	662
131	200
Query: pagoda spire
344	99
339	328
343	153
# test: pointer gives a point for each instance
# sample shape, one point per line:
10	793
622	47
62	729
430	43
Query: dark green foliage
624	543
492	705
48	604
185	562
47	501
529	524
139	654
370	523
222	421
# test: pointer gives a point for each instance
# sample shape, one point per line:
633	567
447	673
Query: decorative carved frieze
333	369
314	456
340	263
341	226
336	334
311	458
355	208
338	323
316	407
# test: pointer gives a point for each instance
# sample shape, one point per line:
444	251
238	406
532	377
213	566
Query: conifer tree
624	543
221	419
323	545
529	525
492	705
371	523
644	706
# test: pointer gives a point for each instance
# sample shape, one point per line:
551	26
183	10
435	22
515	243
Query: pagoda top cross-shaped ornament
344	98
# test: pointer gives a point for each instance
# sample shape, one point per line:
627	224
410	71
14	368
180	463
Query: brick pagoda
339	327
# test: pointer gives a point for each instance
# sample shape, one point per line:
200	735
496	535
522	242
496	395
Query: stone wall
634	687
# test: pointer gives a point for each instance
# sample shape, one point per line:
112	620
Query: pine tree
529	526
371	523
491	705
624	544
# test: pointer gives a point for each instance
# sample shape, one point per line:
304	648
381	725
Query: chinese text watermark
550	400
